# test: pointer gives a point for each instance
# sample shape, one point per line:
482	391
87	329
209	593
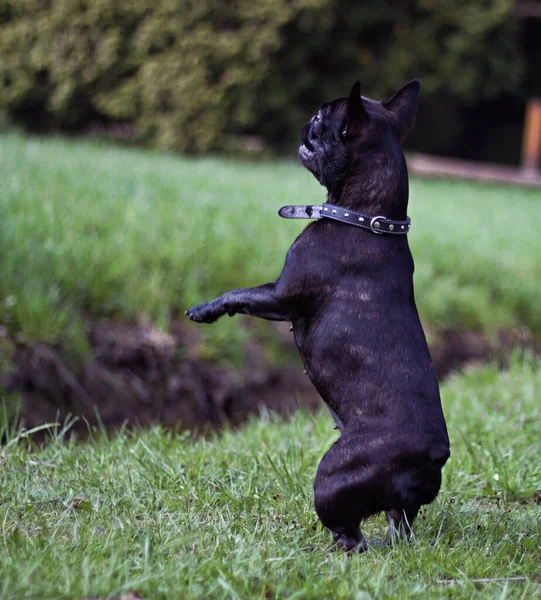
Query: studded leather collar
376	224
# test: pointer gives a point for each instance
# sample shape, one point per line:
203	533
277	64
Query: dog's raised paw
203	313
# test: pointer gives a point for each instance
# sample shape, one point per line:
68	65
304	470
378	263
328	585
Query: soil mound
139	375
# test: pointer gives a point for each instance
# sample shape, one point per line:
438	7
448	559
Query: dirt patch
456	349
139	375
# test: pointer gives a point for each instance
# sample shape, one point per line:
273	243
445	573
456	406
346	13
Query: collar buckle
375	224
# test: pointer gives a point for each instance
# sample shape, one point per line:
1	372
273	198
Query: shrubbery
187	75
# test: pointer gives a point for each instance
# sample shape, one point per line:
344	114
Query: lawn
90	229
231	516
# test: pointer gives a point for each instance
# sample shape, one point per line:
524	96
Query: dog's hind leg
414	487
400	522
345	493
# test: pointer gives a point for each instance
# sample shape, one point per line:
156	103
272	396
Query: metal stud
334	212
402	226
377	225
326	209
346	215
391	227
361	219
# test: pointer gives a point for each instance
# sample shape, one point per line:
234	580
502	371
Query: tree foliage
187	75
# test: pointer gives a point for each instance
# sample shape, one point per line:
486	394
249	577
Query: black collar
376	224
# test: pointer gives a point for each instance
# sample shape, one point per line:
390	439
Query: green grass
89	230
232	516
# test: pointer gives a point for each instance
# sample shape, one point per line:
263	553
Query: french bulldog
348	293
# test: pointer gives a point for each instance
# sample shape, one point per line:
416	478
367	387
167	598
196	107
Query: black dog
348	292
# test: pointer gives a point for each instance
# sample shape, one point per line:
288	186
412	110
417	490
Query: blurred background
146	147
124	125
241	76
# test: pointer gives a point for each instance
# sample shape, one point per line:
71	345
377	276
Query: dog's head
347	131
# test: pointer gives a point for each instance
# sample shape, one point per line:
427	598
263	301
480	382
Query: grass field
88	229
231	516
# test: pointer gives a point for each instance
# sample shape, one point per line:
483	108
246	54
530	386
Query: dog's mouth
306	151
308	158
306	142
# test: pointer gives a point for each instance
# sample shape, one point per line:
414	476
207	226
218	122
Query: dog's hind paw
349	543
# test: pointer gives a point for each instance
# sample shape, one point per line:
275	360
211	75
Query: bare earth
139	375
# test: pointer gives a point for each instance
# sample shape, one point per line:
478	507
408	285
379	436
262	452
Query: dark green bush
187	75
464	51
183	73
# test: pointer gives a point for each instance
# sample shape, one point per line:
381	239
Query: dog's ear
404	106
355	112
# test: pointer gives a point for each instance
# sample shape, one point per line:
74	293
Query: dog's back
360	335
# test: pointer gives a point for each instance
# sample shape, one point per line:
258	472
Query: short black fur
349	295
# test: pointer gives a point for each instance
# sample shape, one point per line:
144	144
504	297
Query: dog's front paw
205	313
